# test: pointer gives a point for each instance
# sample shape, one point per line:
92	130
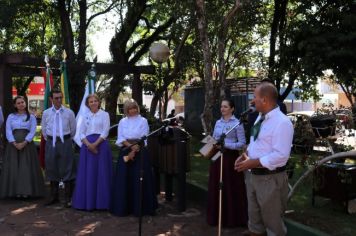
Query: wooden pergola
21	65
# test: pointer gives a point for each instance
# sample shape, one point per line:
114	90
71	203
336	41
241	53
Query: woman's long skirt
234	199
126	187
94	177
21	174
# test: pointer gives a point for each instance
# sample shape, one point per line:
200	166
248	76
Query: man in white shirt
58	128
266	158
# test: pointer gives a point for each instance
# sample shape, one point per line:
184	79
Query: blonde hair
92	96
129	104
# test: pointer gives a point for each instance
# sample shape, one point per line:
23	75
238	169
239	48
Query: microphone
168	119
249	110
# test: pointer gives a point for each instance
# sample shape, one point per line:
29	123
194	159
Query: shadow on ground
30	217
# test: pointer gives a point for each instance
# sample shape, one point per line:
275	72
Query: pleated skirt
94	177
126	186
234	198
21	173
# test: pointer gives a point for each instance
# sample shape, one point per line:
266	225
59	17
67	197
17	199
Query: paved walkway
30	217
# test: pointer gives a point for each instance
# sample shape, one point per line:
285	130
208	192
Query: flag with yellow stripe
64	80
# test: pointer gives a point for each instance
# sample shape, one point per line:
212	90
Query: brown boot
53	199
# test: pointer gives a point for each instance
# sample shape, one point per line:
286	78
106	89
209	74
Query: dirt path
30	217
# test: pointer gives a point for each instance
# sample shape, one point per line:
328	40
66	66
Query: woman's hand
91	146
217	146
20	146
16	145
135	148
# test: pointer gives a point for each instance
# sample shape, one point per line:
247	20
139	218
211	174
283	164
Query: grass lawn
327	216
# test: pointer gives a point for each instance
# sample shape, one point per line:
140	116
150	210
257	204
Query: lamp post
159	53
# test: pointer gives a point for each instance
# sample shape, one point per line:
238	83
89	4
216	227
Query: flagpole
89	89
64	79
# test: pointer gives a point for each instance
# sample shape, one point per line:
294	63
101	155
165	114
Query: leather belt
65	137
265	171
132	141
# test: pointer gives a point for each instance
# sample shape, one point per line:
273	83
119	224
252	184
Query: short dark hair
54	91
230	102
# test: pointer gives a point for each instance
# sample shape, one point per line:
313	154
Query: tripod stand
221	142
141	143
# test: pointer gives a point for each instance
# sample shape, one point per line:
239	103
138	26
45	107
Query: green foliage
325	38
30	26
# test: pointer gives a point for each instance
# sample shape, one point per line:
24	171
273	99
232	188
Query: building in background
35	95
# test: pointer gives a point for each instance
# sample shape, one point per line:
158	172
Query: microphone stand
221	142
141	143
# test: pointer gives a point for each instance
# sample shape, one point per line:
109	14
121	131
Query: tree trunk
137	89
22	91
222	46
154	103
76	82
277	28
82	37
165	104
66	28
207	115
111	97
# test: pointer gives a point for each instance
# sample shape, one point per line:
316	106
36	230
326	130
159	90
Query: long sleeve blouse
95	123
236	138
131	128
18	121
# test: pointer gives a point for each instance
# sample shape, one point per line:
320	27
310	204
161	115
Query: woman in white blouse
126	194
94	175
21	174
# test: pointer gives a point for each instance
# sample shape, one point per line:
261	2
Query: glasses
57	98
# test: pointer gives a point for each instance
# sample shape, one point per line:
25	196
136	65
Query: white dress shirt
273	144
68	122
95	123
131	128
18	121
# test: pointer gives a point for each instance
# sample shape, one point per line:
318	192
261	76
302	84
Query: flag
48	81
83	110
64	80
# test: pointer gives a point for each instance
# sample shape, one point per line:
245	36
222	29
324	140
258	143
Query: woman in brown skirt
21	175
234	200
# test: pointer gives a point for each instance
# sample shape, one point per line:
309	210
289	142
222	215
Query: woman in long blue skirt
126	186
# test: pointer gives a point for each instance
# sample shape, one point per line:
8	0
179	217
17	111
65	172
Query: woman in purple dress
93	184
234	199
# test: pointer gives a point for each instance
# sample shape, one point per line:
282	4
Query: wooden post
5	89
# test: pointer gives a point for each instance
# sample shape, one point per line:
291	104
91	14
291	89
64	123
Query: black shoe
67	204
52	201
68	191
54	194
